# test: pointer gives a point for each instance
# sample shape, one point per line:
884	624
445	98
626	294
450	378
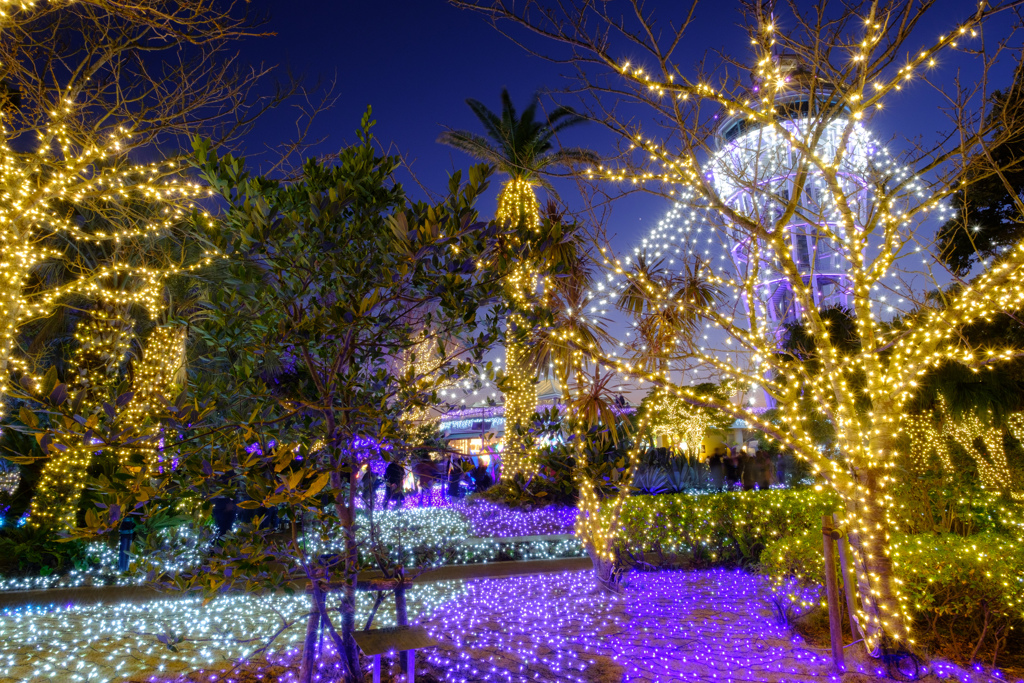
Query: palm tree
558	347
523	148
668	307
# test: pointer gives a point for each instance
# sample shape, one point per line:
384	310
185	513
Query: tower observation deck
756	173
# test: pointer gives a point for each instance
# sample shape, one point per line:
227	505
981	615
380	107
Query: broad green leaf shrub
721	528
798	557
941	502
966	593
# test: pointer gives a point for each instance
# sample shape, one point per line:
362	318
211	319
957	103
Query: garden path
668	626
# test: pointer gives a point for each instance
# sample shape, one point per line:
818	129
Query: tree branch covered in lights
794	207
89	89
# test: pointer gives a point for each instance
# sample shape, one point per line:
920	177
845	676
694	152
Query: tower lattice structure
756	172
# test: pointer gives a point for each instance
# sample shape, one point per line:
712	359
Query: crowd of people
425	474
733	466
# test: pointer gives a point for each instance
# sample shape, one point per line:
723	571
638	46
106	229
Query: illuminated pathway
693	626
708	626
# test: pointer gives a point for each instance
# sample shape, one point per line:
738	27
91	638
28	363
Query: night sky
416	61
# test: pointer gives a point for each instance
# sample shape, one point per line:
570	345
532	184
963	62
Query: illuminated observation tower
755	170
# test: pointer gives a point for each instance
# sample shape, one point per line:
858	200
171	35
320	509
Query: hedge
966	593
722	528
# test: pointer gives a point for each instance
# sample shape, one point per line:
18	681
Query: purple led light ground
494	520
693	626
489	519
708	626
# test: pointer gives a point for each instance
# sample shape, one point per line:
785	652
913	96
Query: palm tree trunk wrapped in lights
520	146
520	390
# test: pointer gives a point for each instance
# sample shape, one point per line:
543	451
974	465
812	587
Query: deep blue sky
416	61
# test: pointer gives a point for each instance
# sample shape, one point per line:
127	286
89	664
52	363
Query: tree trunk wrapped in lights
131	76
103	343
925	438
993	469
520	385
517	204
793	206
159	372
99	367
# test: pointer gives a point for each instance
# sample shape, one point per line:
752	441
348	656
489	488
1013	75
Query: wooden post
844	567
835	622
376	669
401	616
410	664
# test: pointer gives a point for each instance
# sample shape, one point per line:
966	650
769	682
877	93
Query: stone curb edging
87	595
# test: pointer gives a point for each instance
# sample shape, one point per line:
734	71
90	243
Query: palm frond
564	117
569	156
508	110
491	121
477	146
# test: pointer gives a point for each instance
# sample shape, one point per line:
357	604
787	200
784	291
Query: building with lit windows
478	430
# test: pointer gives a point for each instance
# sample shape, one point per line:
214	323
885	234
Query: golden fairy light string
103	347
43	193
827	162
518	202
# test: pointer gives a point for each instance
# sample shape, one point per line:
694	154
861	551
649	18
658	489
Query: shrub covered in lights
966	593
721	528
795	566
796	557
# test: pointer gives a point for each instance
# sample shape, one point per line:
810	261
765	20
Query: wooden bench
402	639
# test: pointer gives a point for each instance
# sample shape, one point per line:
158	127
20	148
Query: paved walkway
669	626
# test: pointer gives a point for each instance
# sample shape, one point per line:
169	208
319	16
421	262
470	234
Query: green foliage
795	566
554	478
799	556
939	502
334	280
518	491
971	589
650	480
721	528
14	444
966	594
39	552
